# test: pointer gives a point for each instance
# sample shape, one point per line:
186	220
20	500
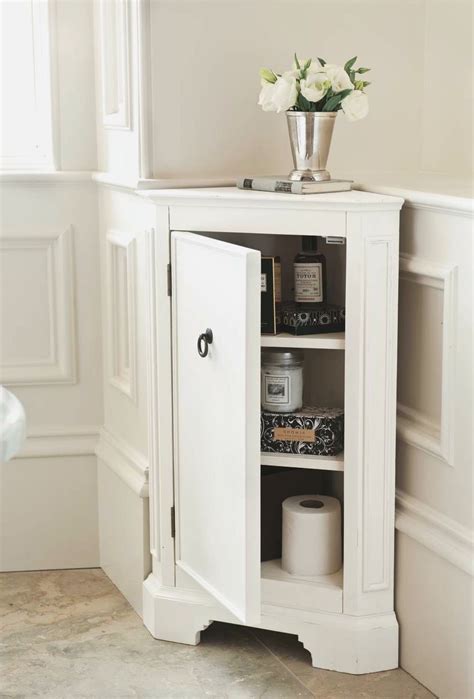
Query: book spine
267	185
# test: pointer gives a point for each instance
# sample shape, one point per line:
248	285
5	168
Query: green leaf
303	104
322	61
349	64
297	63
333	103
307	64
362	70
365	83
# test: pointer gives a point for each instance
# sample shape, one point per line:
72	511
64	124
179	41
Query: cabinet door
217	418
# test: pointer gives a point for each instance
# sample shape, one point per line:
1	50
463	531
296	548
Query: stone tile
393	684
68	634
71	634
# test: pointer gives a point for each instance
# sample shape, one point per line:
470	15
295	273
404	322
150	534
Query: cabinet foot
356	645
172	618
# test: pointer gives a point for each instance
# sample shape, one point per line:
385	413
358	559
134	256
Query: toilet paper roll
311	541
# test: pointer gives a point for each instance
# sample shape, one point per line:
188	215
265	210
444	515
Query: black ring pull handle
204	340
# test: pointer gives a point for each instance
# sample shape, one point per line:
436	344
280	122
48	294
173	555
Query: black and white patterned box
316	431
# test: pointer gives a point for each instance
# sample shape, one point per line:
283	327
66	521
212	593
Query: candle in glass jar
281	381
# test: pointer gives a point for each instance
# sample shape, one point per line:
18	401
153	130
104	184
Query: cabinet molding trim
129	465
413	427
377	568
60	366
435	531
79	440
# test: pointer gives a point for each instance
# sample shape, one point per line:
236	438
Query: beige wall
205	60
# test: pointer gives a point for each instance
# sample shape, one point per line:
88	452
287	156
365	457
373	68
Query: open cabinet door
216	286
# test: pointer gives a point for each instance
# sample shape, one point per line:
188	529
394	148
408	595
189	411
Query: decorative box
270	288
312	320
317	431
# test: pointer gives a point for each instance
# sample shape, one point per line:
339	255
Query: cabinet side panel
371	331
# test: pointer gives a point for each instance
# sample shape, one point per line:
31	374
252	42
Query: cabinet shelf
322	592
333	341
322	463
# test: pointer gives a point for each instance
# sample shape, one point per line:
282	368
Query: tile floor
68	634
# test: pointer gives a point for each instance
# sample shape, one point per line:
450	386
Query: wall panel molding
413	427
77	440
60	364
121	312
115	60
125	461
438	533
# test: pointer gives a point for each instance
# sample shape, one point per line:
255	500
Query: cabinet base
352	644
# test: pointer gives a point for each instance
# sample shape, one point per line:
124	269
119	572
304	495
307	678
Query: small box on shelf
298	319
312	430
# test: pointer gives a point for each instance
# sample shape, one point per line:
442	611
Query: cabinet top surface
232	196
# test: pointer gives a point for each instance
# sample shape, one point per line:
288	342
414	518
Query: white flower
314	86
279	96
355	106
339	79
265	99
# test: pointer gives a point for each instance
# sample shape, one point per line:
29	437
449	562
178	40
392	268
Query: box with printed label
316	431
270	288
300	320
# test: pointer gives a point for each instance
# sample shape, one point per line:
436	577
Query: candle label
308	282
293	434
277	389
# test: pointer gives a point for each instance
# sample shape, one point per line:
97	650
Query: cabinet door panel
216	412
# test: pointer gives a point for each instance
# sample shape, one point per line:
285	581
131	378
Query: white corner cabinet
206	469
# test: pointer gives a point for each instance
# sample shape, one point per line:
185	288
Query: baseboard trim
60	441
433	530
125	461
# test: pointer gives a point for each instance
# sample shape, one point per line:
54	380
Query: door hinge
173	523
335	240
168	272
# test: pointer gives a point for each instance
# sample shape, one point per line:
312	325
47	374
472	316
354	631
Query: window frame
45	157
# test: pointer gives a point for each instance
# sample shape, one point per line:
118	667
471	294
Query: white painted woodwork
121	311
42	262
50	321
318	593
48	504
320	463
354	609
123	529
329	341
217	398
115	37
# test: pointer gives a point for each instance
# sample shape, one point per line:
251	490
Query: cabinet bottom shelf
322	592
320	463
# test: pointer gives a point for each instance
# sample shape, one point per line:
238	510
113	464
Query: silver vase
310	139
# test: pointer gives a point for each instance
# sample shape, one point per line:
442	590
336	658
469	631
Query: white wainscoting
38	330
412	426
48	501
435	550
123	516
121	312
50	323
440	534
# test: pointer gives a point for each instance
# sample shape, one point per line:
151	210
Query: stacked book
282	184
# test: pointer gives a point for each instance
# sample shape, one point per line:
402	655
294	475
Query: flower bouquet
311	94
